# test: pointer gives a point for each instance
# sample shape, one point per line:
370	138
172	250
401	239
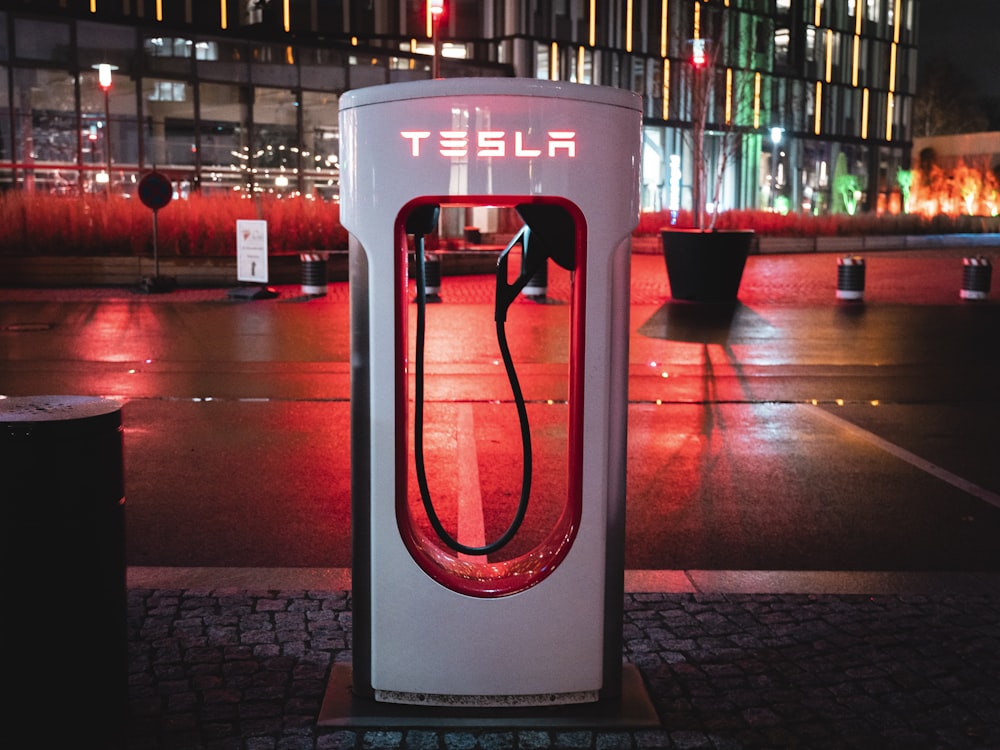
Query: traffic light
698	56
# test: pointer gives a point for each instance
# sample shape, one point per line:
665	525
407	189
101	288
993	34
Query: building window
41	40
168	123
781	39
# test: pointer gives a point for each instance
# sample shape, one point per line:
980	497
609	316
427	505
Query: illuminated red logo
495	143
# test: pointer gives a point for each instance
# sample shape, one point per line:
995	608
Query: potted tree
705	264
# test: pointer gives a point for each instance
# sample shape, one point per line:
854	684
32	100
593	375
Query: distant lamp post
104	81
436	10
776	134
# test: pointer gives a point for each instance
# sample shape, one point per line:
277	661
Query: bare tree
720	80
946	103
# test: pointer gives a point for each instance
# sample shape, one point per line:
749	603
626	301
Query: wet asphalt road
790	432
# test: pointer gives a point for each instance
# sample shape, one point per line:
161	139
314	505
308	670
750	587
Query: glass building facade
243	94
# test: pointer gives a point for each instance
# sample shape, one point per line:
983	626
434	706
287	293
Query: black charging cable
420	225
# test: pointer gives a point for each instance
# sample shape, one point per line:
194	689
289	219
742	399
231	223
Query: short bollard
432	277
851	278
65	625
314	273
473	236
976	277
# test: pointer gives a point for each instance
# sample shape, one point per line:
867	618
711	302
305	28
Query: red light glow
493	143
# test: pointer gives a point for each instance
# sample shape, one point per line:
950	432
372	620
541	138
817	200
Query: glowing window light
829	55
864	114
286	15
756	100
223	15
581	66
857	18
857	60
697	20
663	27
818	119
628	26
895	24
818	17
592	31
554	62
666	89
159	10
93	6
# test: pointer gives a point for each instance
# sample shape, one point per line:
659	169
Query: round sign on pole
155	190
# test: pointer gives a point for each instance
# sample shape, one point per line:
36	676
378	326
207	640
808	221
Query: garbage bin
65	619
314	273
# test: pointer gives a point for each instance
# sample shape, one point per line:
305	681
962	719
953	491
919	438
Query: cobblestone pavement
229	669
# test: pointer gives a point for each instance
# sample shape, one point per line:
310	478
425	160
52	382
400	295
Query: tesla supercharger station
439	620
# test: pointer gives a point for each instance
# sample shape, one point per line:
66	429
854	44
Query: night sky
967	34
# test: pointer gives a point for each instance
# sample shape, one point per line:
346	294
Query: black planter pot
705	266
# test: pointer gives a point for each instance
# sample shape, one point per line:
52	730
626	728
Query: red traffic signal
698	56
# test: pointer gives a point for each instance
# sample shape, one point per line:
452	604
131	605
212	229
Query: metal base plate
341	707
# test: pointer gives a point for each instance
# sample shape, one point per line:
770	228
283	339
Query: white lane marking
471	524
911	458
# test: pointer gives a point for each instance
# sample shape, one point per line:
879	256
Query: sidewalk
237	668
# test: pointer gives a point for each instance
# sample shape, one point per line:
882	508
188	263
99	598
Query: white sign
251	250
674	200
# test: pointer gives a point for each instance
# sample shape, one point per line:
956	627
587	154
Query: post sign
251	250
155	190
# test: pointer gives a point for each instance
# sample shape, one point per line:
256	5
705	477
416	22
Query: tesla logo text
491	143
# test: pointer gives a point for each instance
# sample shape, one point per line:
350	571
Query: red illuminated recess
492	143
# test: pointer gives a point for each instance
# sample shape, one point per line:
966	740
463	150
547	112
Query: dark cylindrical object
314	273
851	278
977	275
432	275
473	236
538	284
65	624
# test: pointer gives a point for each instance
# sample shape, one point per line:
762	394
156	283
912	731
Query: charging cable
419	226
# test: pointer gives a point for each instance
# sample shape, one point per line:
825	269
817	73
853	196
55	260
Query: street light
435	8
104	81
776	134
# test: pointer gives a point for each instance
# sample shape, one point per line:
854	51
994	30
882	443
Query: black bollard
65	627
851	278
976	277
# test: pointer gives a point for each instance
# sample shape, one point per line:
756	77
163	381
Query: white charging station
433	626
